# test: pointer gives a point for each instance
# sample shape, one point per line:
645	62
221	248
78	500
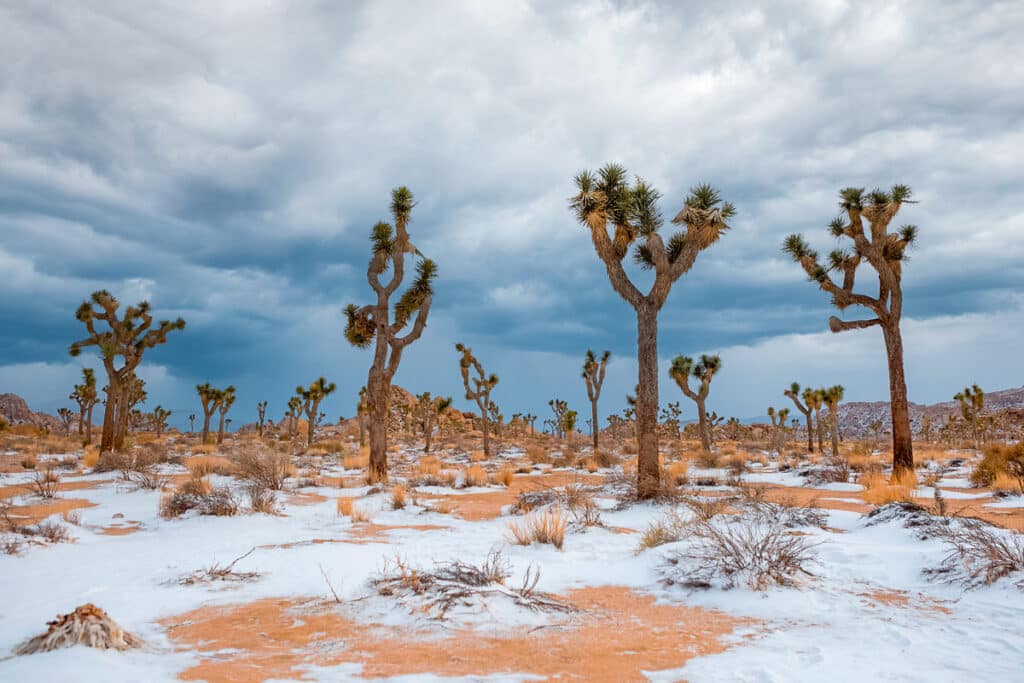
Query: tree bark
902	437
121	422
834	419
821	431
705	433
206	426
810	432
648	471
378	395
487	437
88	425
220	429
593	422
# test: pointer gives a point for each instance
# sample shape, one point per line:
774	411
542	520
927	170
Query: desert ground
266	559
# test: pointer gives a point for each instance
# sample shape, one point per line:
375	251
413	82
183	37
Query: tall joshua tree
794	395
559	408
703	372
815	399
833	395
778	418
478	388
972	403
593	375
606	201
209	397
129	337
261	411
885	252
373	322
85	396
311	398
227	399
66	416
160	416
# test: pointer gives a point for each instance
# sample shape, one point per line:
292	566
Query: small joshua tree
372	322
311	398
85	396
815	399
559	408
261	411
778	418
192	423
427	410
833	395
606	201
972	404
227	399
294	410
478	388
129	337
160	416
210	398
593	375
66	417
569	423
885	252
703	372
794	395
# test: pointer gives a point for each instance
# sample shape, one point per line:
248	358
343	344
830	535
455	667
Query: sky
226	162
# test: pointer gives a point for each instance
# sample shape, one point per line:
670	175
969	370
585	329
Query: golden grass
444	506
449	478
537	454
477	456
1003	482
428	466
879	491
204	448
398	497
591	465
345	506
203	465
359	515
504	476
91	457
546	526
357	461
474	475
676	472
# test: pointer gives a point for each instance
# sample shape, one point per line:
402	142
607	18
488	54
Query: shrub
197	494
474	475
979	554
28	462
46	482
357	461
667	529
398	495
345	506
605	459
880	491
546	526
428	466
537	454
269	469
261	498
358	515
999	459
504	476
51	531
676	472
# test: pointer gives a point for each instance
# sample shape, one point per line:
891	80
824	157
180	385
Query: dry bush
91	457
474	475
449	478
197	494
359	515
784	513
10	544
443	506
739	551
704	508
28	462
428	466
398	497
590	465
261	497
979	554
271	469
504	476
667	529
586	515
477	456
219	572
345	506
837	469
605	459
537	454
357	461
1000	460
879	491
735	464
53	532
676	472
1008	485
45	483
545	526
709	459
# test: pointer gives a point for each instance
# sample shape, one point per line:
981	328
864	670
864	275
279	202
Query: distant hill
856	417
15	410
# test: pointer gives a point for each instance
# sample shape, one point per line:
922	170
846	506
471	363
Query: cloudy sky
226	161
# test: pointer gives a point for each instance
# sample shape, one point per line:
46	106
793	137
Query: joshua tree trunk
705	432
362	430
220	429
648	471
593	423
902	437
834	418
88	425
206	427
378	396
820	430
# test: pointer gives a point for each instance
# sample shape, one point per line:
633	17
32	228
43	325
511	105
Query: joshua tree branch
837	325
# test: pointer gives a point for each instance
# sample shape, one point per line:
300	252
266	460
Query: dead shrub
344	506
10	544
197	494
87	625
261	498
45	483
537	454
29	462
504	476
999	459
605	459
704	508
359	515
979	554
880	491
398	497
53	532
270	469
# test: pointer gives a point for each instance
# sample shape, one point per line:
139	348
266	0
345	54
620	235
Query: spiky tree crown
128	336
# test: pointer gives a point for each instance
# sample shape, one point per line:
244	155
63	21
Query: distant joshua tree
478	388
569	423
66	418
559	408
209	397
593	375
192	423
778	435
160	417
427	409
311	398
815	399
794	395
261	411
85	396
366	323
885	252
128	337
704	372
972	404
294	410
605	200
227	399
833	395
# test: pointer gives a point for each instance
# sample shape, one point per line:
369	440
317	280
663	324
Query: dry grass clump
359	515
45	483
537	454
544	526
270	469
357	461
449	478
979	554
87	625
879	491
197	494
997	460
736	463
345	506
428	466
474	475
740	551
15	531
91	457
504	476
477	456
676	472
605	459
667	529
261	497
28	462
398	497
710	459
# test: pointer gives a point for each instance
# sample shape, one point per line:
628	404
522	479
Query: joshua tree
160	415
362	408
778	418
832	396
794	395
86	397
714	419
227	399
927	427
876	430
192	423
604	200
427	410
559	408
670	415
569	423
530	419
885	252
478	388
593	375
294	410
972	403
66	417
704	372
128	337
261	411
311	398
210	398
815	399
366	323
